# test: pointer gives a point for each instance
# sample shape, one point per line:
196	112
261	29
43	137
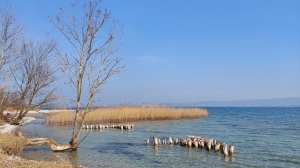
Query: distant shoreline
276	102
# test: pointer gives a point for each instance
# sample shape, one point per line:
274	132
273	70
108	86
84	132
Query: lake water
263	137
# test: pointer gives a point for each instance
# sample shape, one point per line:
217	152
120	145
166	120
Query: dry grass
129	114
11	145
17	162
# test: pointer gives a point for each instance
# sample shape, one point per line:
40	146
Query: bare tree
10	33
91	61
93	37
34	77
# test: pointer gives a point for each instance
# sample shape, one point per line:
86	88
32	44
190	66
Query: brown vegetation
11	144
10	148
129	114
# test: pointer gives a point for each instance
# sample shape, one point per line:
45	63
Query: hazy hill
278	102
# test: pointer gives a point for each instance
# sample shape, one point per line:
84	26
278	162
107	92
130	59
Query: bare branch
35	76
92	58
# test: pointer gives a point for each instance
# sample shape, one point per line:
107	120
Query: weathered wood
217	147
195	143
175	141
215	143
147	141
183	142
231	149
155	141
189	136
45	141
208	144
225	151
189	143
170	141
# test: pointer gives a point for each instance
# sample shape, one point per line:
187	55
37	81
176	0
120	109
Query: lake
262	136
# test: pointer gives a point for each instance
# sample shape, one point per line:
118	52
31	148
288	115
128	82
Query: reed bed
119	114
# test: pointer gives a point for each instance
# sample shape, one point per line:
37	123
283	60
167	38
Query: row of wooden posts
194	141
123	126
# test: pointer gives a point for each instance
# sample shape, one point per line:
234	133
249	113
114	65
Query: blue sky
193	50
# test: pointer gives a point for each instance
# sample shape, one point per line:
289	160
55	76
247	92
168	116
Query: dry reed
11	144
128	114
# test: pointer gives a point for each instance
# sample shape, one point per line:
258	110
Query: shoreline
10	129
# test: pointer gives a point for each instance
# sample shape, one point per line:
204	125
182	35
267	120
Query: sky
193	50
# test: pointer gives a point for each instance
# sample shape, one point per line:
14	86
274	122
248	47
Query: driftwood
45	141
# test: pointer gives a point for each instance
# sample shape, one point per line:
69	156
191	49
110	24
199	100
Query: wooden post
217	147
215	143
147	141
231	148
208	144
170	141
189	143
225	149
175	141
183	142
195	143
201	143
155	141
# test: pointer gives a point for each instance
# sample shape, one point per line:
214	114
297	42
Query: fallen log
45	141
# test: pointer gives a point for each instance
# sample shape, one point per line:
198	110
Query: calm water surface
263	137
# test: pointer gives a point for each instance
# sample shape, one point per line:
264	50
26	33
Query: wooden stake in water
225	149
155	141
231	149
170	141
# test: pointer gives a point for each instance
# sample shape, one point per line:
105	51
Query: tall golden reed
128	114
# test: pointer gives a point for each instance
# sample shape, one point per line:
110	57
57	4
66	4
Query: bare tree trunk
92	58
45	141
